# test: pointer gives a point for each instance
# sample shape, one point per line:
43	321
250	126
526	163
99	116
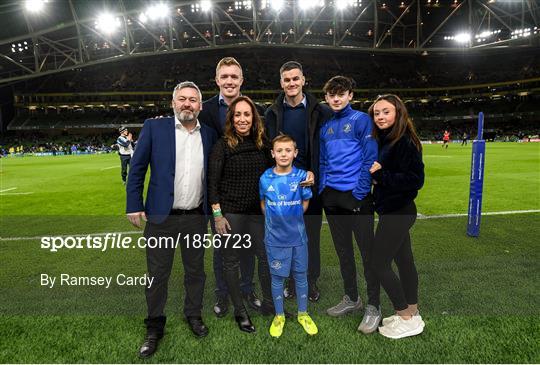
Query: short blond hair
228	61
283	138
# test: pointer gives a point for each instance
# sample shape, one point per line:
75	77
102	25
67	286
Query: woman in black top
237	161
397	175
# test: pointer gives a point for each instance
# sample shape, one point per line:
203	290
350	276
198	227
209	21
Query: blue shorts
282	260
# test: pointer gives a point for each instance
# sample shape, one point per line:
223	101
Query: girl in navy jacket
397	175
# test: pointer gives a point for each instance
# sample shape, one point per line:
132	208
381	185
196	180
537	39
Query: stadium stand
370	71
442	91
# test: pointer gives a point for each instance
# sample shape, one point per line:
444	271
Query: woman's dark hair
257	127
403	123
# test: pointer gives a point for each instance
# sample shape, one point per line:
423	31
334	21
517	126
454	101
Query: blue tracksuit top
347	152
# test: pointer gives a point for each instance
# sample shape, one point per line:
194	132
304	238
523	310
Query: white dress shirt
189	169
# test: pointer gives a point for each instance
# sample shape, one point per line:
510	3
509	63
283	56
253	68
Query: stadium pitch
478	297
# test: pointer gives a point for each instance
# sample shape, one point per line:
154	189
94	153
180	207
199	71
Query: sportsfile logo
121	241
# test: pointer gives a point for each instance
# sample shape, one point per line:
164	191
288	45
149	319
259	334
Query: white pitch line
108	168
420	216
3	194
67	235
507	212
457	215
1	191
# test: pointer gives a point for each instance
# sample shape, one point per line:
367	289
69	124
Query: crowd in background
373	71
40	142
23	143
508	118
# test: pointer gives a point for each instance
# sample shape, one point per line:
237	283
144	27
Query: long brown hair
403	123
257	127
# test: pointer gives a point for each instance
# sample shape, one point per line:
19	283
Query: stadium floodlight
157	11
35	6
305	4
482	37
277	5
206	5
484	34
19	46
107	23
243	4
521	33
309	4
343	4
462	37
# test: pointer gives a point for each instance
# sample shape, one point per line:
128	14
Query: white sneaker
386	321
400	328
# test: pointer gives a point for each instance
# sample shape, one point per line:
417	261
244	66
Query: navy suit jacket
156	147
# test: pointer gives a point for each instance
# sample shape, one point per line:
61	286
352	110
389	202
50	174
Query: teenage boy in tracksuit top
347	151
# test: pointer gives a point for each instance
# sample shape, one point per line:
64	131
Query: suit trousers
160	261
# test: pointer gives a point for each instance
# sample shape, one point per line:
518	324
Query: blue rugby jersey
283	197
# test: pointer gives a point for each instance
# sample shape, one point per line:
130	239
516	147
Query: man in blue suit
177	151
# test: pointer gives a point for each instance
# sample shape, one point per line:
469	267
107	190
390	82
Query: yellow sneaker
276	329
309	326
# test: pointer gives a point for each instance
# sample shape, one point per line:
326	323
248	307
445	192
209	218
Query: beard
186	115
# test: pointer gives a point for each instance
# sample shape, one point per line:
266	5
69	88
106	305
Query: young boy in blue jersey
284	201
347	152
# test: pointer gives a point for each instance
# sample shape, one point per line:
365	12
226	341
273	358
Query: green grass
479	297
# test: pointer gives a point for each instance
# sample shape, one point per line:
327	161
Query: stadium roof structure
40	37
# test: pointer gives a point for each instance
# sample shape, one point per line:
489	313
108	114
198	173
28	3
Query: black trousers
252	225
124	161
347	216
393	243
160	261
313	223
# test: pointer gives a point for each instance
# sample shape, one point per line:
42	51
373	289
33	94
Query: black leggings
393	243
252	225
